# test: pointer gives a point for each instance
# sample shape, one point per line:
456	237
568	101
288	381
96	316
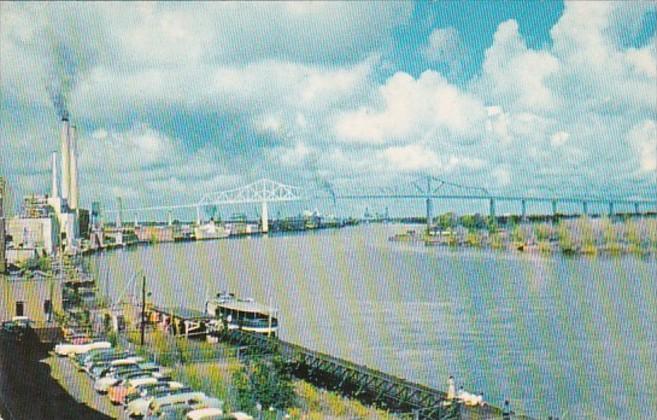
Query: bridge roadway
366	384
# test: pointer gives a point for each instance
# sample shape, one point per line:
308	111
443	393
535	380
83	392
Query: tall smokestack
73	162
55	191
66	174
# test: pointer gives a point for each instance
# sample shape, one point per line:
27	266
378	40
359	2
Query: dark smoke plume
69	58
64	76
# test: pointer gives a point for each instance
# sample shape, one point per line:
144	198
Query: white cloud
643	139
644	60
445	46
138	147
497	124
410	158
599	73
559	138
292	156
410	109
99	134
305	92
502	176
514	75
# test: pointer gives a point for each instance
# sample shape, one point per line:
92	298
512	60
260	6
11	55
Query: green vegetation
517	234
171	351
474	239
265	382
584	229
446	221
36	263
213	378
320	404
543	232
582	236
496	241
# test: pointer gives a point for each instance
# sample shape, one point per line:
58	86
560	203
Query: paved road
29	391
80	387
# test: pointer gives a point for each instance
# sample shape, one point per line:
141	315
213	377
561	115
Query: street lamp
143	308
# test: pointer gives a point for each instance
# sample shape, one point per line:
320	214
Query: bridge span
426	189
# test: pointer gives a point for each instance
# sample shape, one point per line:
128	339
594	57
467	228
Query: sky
174	100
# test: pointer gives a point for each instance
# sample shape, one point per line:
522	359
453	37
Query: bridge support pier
636	209
611	209
585	208
265	218
554	208
491	205
523	211
429	214
198	215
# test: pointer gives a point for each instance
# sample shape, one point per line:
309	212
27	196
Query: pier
359	381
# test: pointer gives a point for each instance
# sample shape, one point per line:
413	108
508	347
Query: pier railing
374	387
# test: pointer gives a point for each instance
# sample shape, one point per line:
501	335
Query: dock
179	321
359	381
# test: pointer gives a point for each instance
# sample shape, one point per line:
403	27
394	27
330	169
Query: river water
560	336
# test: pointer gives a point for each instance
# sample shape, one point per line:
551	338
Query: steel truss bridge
426	188
369	385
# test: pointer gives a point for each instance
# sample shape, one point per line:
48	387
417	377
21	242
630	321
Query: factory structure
54	222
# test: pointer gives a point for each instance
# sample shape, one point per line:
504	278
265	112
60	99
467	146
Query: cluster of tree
265	383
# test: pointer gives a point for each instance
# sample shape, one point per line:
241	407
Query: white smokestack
73	150
66	174
55	190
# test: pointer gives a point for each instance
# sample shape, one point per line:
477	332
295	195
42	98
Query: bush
267	382
543	232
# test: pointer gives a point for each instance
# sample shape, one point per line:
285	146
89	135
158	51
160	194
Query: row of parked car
145	389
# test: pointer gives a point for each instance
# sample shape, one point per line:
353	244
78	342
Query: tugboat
244	314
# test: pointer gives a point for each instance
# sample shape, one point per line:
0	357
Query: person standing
451	389
506	412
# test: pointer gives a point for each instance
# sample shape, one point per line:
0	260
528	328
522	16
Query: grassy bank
579	236
216	370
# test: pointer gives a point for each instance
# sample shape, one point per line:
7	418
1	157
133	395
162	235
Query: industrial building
37	297
50	223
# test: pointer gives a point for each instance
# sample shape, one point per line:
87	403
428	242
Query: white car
193	400
66	349
133	360
139	406
205	414
103	384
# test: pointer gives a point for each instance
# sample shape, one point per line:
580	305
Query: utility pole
143	308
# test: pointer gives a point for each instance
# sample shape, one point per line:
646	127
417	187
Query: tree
446	221
267	382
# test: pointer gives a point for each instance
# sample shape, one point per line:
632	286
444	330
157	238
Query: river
573	337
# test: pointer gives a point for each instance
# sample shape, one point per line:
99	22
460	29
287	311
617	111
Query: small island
567	235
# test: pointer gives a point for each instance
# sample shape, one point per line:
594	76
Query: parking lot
80	387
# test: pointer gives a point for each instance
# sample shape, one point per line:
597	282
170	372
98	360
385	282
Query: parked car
171	412
139	406
66	349
118	392
105	363
194	400
103	384
80	360
150	389
206	414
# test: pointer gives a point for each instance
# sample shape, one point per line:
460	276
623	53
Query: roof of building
180	312
245	306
